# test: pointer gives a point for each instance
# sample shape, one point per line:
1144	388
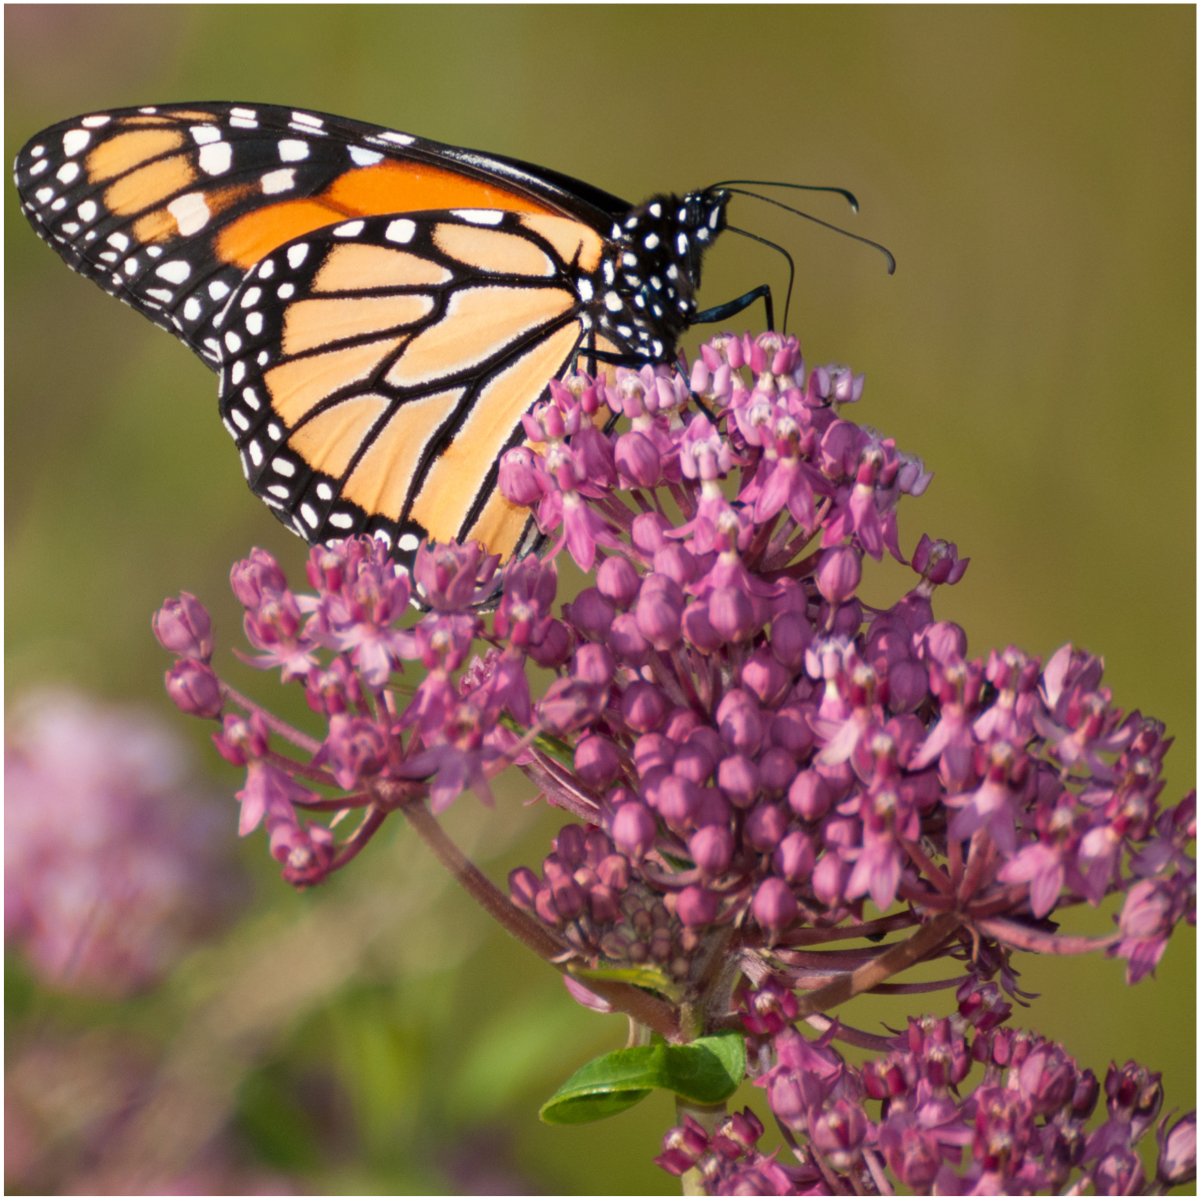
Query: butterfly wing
168	207
373	372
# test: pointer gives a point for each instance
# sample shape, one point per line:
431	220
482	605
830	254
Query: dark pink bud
633	829
765	678
676	800
693	762
712	808
590	613
712	848
637	460
698	629
596	761
732	614
643	706
519	477
774	906
765	826
182	626
617	580
569	898
907	685
252	578
828	880
648	532
739	722
627	641
680	724
653	752
810	796
738	778
593	664
794	858
523	888
658	611
696	906
553	647
791	730
194	688
777	770
677	563
838	573
1178	1152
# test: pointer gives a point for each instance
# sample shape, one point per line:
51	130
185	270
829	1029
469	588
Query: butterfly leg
722	311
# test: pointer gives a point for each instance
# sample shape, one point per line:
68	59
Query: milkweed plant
776	796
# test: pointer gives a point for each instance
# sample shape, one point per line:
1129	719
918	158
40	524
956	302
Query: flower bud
633	829
596	761
774	906
194	688
838	573
711	848
638	460
182	626
696	906
617	580
643	706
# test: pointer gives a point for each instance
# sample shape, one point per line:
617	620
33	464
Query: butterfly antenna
746	233
838	229
849	197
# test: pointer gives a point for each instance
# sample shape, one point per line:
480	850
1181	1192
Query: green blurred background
1033	171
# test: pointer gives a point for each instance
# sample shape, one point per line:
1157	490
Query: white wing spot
280	180
251	297
190	211
191	309
175	271
479	216
309	515
202	135
292	150
398	139
216	158
218	289
351	229
408	542
362	157
284	466
251	397
254	323
256	453
96	121
400	230
239	419
280	490
75	140
341	521
297	254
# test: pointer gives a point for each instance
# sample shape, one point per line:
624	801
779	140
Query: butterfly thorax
651	272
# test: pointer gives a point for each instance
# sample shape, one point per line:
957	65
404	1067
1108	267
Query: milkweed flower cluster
756	763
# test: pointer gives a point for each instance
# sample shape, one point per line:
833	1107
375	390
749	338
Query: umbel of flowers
755	764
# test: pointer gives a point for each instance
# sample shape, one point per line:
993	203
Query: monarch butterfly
380	309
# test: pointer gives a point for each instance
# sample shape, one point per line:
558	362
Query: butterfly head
656	266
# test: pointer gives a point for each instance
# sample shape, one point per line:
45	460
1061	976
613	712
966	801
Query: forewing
169	207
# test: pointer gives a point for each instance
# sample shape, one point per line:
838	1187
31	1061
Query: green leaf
705	1072
652	978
